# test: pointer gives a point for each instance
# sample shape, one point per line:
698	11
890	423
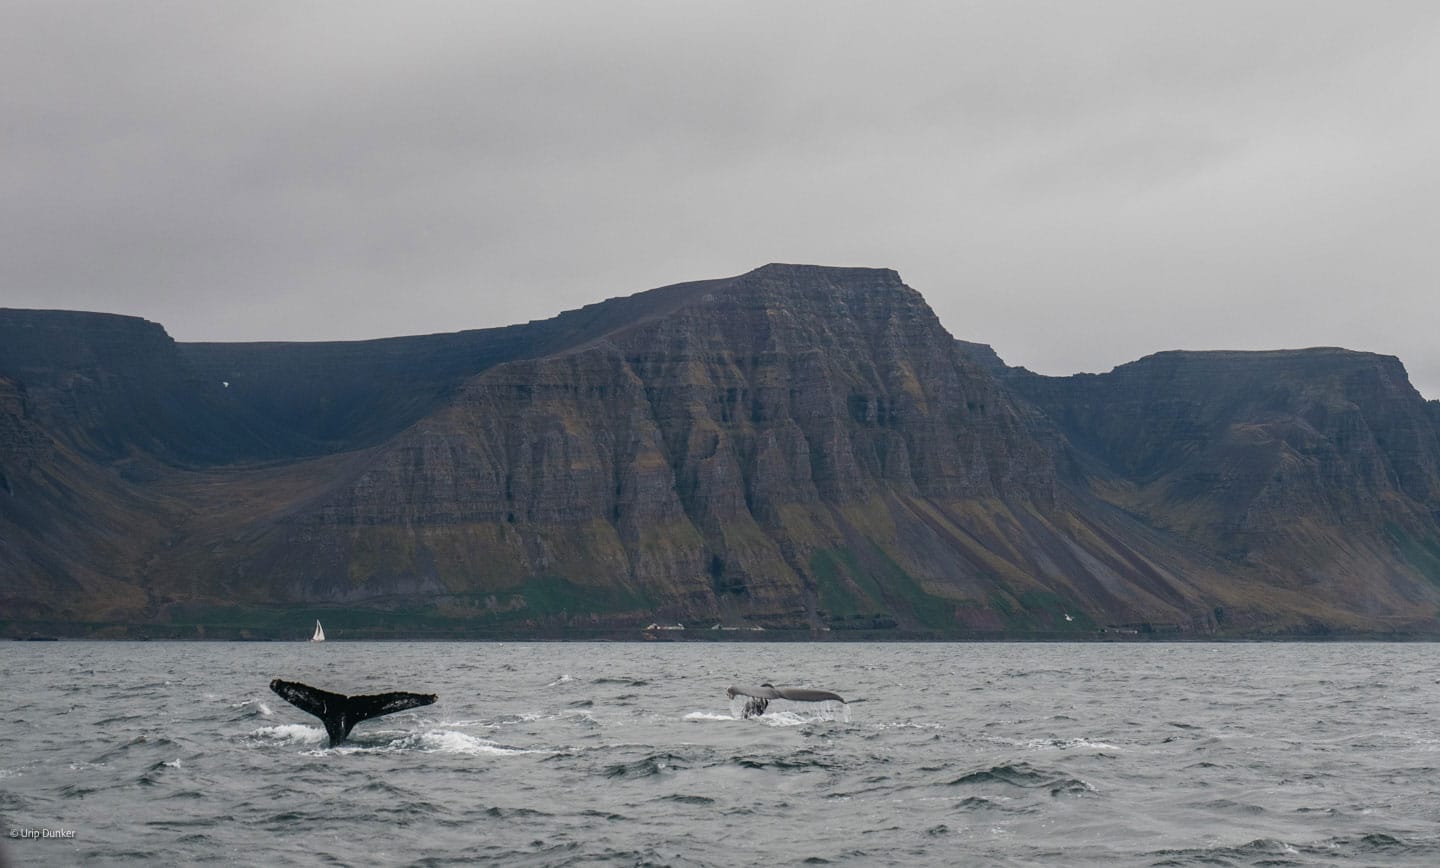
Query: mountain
801	449
1314	475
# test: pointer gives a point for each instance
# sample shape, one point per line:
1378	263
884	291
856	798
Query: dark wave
1025	776
649	766
386	788
979	803
76	791
1269	851
785	764
686	800
12	802
137	745
1261	851
633	857
607	816
513	813
1229	806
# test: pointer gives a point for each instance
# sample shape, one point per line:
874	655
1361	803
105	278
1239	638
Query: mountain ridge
801	448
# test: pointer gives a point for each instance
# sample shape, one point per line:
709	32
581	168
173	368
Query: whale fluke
340	712
760	696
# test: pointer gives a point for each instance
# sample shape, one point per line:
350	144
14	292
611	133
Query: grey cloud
1078	184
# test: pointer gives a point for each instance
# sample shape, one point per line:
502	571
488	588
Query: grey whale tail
339	712
760	696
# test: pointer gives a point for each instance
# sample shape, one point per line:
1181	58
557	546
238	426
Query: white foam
707	715
260	707
293	733
1041	744
561	680
173	765
1085	744
907	725
430	741
782	718
449	741
796	714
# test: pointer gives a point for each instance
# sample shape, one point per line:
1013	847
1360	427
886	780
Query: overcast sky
1077	183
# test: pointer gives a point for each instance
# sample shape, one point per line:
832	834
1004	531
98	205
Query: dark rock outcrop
984	355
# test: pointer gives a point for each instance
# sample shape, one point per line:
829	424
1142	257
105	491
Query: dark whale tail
759	697
340	712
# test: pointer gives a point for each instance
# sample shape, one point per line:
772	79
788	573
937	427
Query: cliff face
72	532
113	387
1315	471
1256	439
724	461
797	447
313	399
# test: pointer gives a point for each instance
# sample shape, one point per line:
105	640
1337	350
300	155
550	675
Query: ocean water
631	754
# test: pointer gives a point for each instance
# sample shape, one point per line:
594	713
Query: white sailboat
319	633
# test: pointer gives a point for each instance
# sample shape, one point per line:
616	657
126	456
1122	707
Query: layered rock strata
797	447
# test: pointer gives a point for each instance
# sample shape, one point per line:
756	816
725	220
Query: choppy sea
631	754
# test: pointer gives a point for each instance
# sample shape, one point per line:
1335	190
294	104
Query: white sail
319	633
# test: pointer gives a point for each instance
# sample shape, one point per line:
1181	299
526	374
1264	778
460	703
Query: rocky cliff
798	448
1308	472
